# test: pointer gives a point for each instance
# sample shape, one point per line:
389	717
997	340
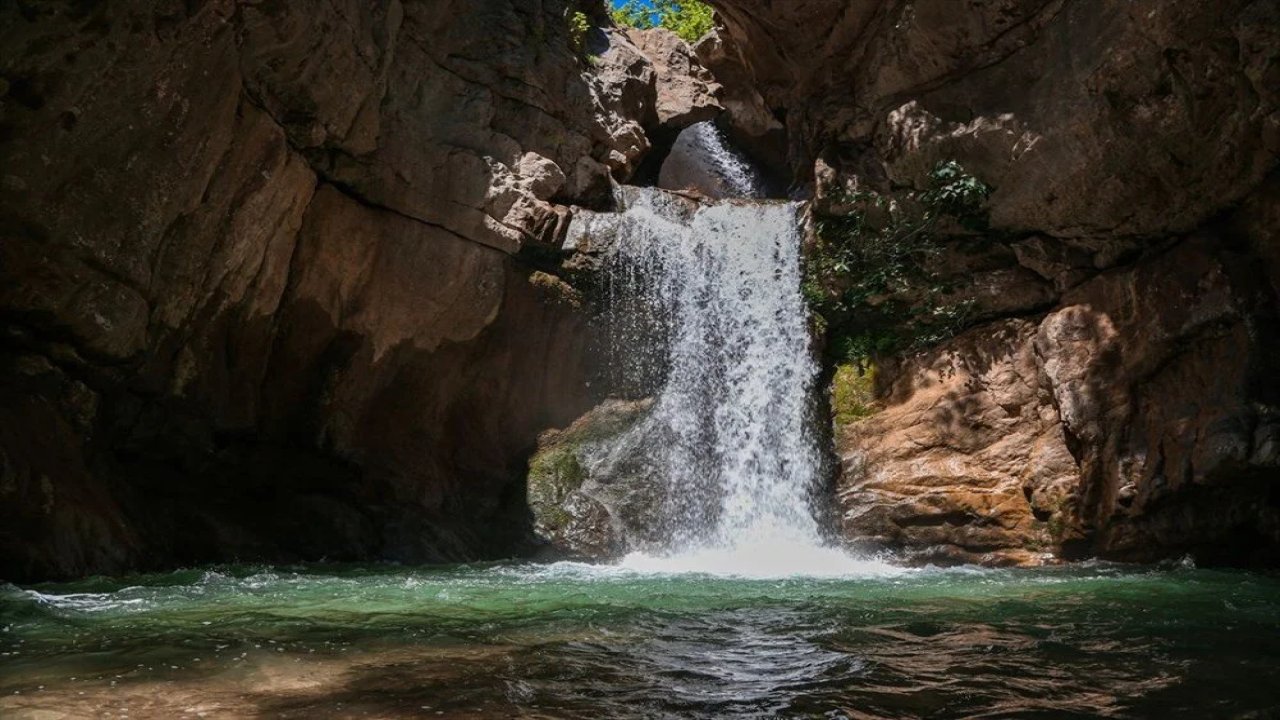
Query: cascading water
700	158
729	432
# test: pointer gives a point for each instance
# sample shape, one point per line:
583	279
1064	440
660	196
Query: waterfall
729	432
731	413
701	159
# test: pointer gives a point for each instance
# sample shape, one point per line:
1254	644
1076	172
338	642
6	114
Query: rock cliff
279	280
1114	394
270	283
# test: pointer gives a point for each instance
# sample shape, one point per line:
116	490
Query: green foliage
853	391
870	262
579	26
690	19
1059	522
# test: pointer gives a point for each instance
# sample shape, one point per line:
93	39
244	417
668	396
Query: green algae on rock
569	517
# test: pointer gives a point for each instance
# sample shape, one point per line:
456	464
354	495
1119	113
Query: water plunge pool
569	640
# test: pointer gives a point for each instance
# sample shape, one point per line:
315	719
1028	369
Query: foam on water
764	558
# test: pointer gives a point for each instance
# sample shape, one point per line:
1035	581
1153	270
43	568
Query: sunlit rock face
1116	393
1135	419
685	91
263	271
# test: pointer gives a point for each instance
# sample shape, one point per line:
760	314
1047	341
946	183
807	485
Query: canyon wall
273	274
1115	393
281	280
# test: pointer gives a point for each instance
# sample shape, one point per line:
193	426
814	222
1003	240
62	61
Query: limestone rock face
1097	117
1115	392
686	91
263	278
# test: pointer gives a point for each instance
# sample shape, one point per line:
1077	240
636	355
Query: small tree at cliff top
689	19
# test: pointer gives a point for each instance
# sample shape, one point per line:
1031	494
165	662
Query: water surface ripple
575	641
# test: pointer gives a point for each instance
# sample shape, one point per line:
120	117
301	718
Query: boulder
584	504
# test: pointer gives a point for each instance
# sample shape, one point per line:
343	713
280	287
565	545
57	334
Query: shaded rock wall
1116	395
266	272
1165	111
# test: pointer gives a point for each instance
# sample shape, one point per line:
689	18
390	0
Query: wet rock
702	163
579	510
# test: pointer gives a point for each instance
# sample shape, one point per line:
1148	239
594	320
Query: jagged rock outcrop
268	279
748	120
1114	393
685	92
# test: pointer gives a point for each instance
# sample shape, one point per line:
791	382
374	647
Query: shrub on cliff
578	26
853	391
870	279
689	19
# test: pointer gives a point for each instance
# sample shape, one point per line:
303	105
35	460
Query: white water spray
729	431
701	159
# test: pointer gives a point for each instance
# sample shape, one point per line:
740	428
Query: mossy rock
564	516
555	290
554	474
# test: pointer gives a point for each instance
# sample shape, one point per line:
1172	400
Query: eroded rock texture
265	284
1117	395
1136	419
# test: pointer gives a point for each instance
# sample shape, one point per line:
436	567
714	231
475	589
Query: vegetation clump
870	278
554	290
853	391
579	25
689	19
